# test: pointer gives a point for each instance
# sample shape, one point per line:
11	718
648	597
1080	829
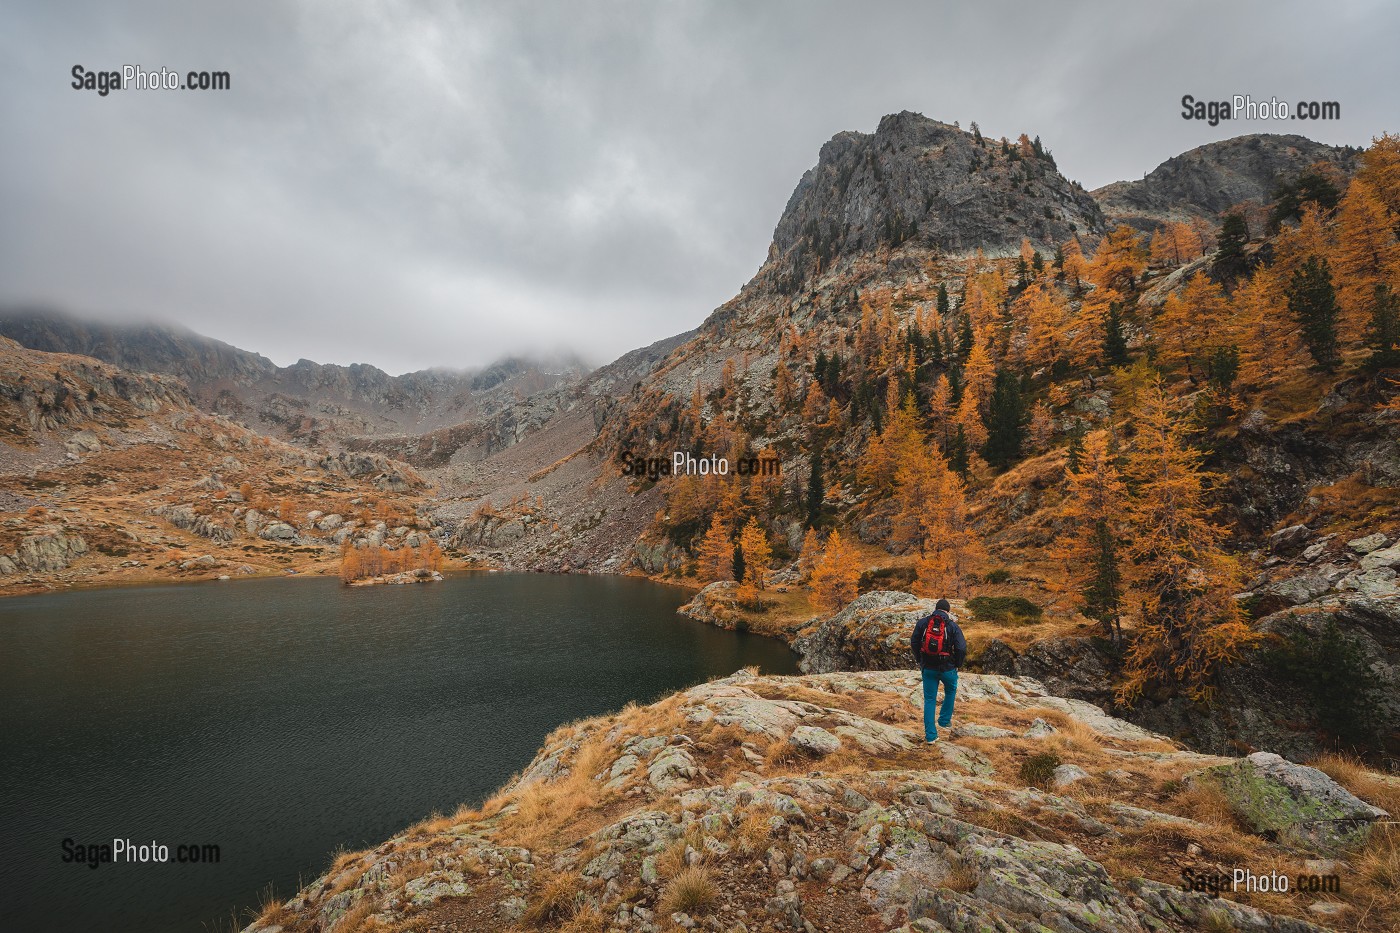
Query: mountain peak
921	182
1212	178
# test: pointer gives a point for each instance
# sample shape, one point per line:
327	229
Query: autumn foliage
836	574
365	563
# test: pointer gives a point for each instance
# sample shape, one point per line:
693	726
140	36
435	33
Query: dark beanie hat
943	605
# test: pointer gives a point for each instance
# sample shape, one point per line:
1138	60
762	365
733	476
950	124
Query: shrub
1004	609
1038	770
886	578
999	575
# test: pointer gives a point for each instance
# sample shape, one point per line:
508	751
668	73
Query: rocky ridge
317	404
810	803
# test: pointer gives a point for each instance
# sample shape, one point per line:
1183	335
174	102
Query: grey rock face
1386	557
1368	543
917	178
186	518
48	551
1065	775
872	633
82	442
1069	667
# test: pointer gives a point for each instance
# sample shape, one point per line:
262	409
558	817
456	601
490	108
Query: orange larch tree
1192	320
1366	255
1264	330
716	558
950	551
1090	543
1182	581
758	554
1047	320
835	577
1119	261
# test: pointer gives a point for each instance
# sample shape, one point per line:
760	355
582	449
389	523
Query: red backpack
936	637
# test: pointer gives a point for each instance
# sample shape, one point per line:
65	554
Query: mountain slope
307	402
112	476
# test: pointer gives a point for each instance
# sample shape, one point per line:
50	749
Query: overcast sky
415	184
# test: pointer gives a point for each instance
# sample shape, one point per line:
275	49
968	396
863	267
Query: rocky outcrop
54	392
918	179
1070	667
206	526
870	634
684	815
713	605
50	550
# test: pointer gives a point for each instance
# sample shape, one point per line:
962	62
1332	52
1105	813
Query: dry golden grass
557	900
1379	862
961	878
690	891
587	919
271	911
781	753
340	869
1205	802
358	919
754	834
1374	788
410	870
542	808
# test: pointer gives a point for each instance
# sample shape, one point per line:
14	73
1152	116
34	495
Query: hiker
940	648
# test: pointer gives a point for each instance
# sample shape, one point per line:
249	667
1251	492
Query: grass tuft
690	891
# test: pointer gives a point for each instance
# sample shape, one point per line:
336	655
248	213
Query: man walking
940	648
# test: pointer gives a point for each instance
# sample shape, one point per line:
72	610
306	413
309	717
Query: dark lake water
281	719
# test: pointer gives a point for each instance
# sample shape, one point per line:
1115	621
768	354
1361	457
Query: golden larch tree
758	554
1366	255
716	557
1119	261
1090	543
1380	168
979	372
1041	430
1047	321
1182	581
1264	330
940	406
1074	265
835	577
1192	320
969	418
951	551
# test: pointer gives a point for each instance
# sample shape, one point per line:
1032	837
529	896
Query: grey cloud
418	184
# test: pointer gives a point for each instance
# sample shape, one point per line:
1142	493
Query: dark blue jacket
953	639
